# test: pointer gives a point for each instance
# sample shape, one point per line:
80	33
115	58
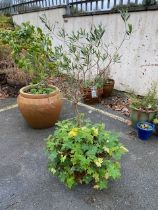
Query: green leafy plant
99	82
84	154
41	90
155	121
31	51
6	22
147	103
87	83
5	54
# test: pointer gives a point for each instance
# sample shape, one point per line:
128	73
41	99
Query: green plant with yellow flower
85	154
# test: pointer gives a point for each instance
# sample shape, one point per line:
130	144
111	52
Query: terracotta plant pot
137	115
108	87
41	110
87	95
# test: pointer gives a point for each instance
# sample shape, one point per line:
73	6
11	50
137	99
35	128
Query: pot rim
37	96
111	81
144	122
144	111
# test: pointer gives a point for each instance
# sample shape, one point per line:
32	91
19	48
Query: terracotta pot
108	87
41	110
87	95
137	115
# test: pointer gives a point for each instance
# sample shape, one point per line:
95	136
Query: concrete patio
25	183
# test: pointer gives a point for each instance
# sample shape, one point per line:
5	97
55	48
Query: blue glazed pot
144	134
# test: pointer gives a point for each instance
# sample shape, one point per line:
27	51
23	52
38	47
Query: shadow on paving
26	184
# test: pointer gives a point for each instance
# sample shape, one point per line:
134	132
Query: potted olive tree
39	103
87	57
81	58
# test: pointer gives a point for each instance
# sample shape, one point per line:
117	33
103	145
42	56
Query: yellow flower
98	162
96	177
73	132
106	175
106	149
75	129
95	131
96	187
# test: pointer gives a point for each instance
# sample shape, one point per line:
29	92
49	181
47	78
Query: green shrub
148	102
84	154
155	121
41	90
6	22
31	51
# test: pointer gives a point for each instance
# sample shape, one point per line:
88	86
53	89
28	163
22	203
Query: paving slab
25	183
7	102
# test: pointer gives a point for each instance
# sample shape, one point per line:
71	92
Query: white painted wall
139	62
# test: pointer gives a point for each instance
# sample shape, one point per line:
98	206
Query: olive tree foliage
84	52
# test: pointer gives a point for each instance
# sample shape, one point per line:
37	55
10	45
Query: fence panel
79	6
20	6
73	6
